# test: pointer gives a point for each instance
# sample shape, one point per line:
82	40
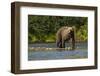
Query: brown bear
65	34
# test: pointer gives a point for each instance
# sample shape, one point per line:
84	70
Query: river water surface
80	52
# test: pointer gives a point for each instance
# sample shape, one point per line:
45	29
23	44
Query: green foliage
44	28
82	33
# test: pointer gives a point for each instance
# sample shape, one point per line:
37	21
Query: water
79	52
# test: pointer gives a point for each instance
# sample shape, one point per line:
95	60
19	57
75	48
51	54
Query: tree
43	28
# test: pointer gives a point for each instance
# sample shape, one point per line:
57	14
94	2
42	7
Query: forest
43	28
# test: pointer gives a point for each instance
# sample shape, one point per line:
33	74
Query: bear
64	34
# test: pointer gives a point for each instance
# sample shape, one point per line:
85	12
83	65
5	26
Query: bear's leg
73	45
60	44
57	43
63	43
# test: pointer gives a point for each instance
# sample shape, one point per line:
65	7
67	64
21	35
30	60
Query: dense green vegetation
44	28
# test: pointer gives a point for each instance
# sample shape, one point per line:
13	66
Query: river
80	52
